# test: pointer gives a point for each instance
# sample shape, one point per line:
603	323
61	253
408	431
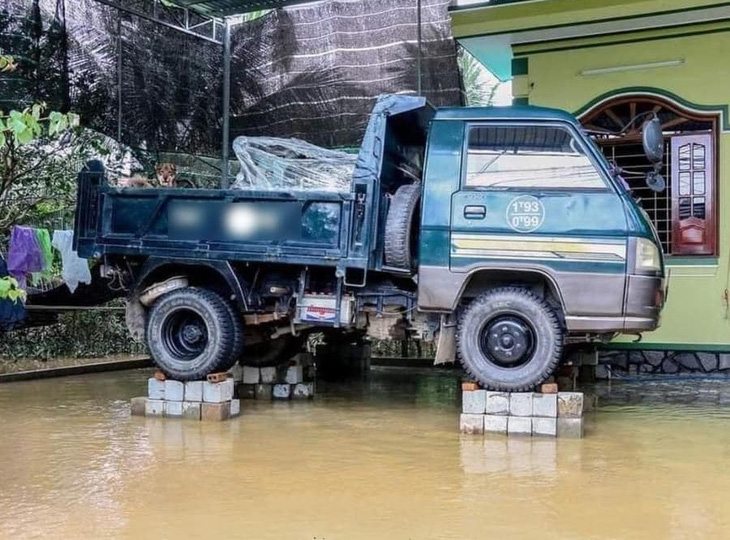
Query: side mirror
655	181
653	140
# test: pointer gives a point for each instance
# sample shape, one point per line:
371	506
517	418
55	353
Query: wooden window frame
714	119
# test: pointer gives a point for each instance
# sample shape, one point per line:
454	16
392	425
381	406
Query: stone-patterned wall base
620	363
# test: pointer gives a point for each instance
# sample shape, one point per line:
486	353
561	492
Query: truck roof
514	112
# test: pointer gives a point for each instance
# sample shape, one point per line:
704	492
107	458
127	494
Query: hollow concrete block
495	423
263	391
215	411
546	427
219	392
194	391
474	401
282	391
497	403
251	375
191	410
236	372
245	391
570	428
174	390
545	405
173	408
235	407
154	407
519	425
471	424
294	375
138	406
570	404
268	375
302	391
520	404
155	388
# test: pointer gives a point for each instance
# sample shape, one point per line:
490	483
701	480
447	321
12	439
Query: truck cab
523	215
501	232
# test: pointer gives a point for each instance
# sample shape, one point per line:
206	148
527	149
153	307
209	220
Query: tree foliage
480	88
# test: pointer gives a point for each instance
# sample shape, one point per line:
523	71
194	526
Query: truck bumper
642	305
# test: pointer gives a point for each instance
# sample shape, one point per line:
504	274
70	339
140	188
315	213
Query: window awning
225	8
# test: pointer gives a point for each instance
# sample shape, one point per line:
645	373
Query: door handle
475	212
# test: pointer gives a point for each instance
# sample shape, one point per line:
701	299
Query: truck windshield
532	156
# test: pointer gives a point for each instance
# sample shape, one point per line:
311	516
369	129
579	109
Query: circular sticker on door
525	214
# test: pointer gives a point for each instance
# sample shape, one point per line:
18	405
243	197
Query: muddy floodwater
380	459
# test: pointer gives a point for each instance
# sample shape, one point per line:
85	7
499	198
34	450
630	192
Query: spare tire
192	333
400	229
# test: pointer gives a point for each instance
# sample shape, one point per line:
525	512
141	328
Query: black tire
193	332
509	339
273	352
399	227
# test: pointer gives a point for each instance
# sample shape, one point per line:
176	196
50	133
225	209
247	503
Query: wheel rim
507	340
185	334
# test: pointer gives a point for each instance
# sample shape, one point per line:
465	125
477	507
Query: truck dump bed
322	228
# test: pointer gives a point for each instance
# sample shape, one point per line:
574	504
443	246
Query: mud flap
135	315
446	345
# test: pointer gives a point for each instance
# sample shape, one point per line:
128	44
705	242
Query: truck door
534	196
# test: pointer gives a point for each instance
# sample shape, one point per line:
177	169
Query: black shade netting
166	97
314	72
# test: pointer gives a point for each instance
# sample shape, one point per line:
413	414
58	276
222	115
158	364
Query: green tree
23	136
480	88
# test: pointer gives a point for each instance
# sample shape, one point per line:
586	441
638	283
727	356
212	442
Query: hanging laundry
44	243
12	314
24	254
74	269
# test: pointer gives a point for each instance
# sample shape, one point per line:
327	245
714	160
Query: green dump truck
502	233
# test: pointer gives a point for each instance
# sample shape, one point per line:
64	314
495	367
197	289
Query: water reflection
371	459
510	456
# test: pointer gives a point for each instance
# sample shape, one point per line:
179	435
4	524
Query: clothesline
30	254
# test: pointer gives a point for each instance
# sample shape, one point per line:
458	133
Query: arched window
685	214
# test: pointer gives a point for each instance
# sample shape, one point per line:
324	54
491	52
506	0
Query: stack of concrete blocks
557	414
195	400
279	383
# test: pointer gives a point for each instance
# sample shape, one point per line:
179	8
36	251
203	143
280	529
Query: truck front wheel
509	339
192	333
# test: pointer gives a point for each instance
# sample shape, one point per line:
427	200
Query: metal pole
119	77
418	63
226	102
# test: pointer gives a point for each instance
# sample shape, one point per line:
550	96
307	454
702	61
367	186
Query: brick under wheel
192	332
509	339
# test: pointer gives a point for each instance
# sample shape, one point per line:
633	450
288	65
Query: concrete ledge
67	371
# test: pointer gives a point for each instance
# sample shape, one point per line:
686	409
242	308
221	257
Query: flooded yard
379	459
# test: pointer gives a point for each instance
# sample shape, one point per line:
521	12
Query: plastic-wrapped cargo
274	164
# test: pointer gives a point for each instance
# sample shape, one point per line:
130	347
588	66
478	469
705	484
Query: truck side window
528	157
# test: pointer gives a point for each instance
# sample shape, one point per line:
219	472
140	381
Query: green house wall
550	74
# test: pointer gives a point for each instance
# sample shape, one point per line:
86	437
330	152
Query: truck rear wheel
398	250
193	332
509	339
